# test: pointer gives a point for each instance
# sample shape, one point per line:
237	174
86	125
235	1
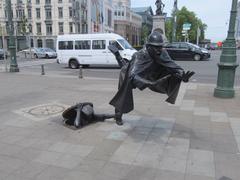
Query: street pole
228	64
174	21
11	46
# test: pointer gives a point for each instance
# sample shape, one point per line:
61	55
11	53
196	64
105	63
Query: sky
214	13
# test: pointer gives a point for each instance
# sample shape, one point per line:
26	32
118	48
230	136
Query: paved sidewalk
196	139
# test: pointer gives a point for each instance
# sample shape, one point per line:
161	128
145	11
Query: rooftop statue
160	7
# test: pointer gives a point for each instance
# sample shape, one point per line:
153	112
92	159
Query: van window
98	44
65	45
115	43
125	44
82	44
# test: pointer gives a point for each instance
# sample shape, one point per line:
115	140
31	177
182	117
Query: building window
38	13
39	30
37	1
48	13
32	44
47	1
20	13
39	43
115	13
49	29
60	12
30	28
122	13
59	1
60	27
71	27
70	11
99	44
82	44
29	13
65	45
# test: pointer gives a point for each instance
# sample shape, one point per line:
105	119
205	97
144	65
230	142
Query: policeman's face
155	51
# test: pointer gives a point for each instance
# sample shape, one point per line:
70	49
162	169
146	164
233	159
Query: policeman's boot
118	118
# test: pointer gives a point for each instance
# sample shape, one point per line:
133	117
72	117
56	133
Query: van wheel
197	57
35	55
73	64
46	56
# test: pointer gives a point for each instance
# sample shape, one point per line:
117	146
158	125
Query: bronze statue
160	6
82	114
151	68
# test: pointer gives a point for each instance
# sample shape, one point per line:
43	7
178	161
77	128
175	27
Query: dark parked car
1	53
187	51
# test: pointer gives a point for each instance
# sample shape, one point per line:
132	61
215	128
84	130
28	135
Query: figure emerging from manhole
151	68
83	114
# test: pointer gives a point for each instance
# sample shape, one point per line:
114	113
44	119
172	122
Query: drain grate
43	111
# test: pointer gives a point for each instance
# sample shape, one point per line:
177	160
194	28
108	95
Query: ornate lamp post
228	64
11	46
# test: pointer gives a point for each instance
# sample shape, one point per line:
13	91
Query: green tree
23	26
186	16
168	28
144	33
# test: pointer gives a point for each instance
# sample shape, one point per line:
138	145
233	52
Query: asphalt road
206	71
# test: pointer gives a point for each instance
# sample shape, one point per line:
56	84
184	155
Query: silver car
49	53
37	52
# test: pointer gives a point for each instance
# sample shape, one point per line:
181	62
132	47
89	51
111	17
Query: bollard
80	72
43	72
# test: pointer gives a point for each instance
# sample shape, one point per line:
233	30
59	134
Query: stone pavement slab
196	139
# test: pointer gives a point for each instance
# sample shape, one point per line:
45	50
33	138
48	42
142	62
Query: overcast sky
214	13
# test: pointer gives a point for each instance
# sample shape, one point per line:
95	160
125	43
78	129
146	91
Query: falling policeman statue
151	68
160	6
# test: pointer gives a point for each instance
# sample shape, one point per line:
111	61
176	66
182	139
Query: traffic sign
186	26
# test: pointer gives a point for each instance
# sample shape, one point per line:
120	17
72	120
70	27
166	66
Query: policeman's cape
162	70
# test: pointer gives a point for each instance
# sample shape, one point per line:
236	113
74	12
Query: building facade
147	20
45	19
127	23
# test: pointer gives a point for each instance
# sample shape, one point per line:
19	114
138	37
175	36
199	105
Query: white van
90	49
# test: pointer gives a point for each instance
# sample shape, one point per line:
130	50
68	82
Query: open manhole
43	111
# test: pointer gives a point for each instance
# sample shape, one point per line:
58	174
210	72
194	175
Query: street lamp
174	19
228	64
11	46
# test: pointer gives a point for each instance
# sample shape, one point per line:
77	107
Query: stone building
147	19
126	22
45	19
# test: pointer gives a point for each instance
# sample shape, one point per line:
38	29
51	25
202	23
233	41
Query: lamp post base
14	68
224	92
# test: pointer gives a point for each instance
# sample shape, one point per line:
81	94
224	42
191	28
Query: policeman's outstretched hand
187	75
113	50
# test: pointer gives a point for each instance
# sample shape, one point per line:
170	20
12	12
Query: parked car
187	51
37	52
49	53
1	54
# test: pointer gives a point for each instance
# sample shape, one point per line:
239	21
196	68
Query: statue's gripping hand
184	76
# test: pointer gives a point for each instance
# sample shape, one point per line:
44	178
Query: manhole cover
43	111
46	110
